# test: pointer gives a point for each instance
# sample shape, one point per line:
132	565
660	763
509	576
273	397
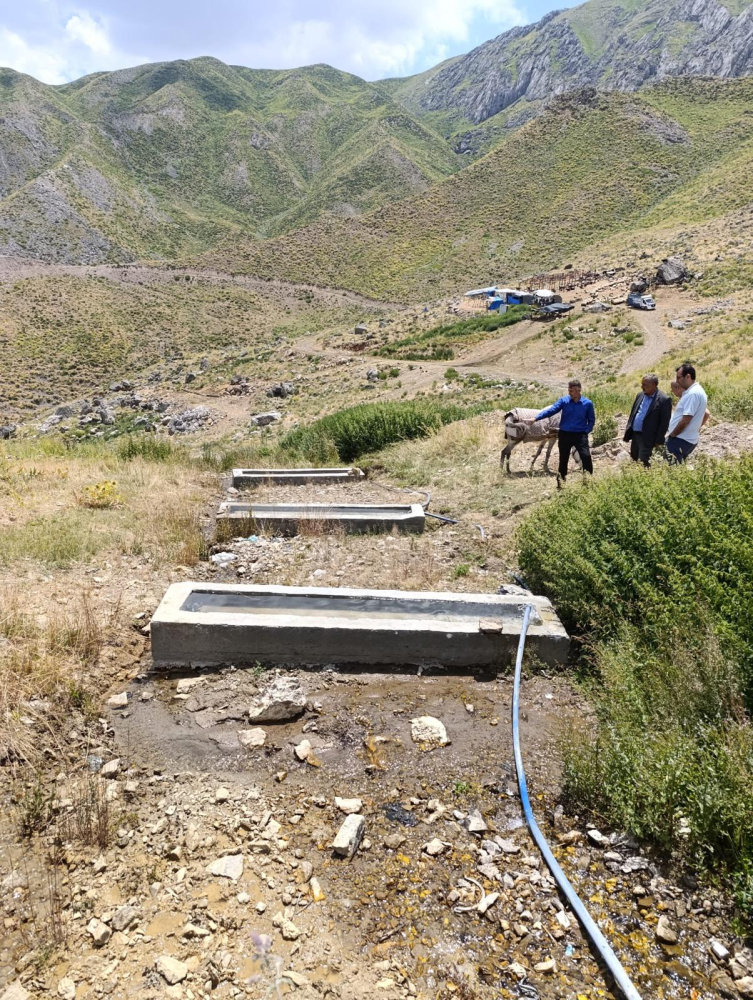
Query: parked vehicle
636	301
552	311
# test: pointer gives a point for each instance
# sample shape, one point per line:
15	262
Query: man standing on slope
577	422
649	419
688	417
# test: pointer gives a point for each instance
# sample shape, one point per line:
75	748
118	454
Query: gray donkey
519	429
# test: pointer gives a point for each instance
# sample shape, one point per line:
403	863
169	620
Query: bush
651	549
653	570
358	430
434	344
605	430
147	446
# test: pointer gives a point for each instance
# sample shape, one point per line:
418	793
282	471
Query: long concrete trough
207	624
289	518
294	477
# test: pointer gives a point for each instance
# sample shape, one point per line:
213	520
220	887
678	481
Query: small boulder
231	866
100	932
348	806
349	836
282	699
255	737
665	932
171	970
118	700
428	731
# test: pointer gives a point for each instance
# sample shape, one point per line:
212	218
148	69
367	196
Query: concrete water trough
294	477
289	518
209	624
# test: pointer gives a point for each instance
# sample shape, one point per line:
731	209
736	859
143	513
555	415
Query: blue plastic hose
586	921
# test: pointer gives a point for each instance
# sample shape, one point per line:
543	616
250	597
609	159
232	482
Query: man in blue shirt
576	423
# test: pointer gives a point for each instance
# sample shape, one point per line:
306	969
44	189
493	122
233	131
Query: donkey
520	429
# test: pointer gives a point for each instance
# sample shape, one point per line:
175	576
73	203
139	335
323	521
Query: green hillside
166	159
591	166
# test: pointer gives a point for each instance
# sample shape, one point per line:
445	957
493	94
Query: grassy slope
164	159
61	337
570	178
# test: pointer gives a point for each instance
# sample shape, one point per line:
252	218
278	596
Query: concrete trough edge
295	477
212	637
285	519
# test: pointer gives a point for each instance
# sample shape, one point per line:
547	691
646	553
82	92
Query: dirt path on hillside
656	342
17	268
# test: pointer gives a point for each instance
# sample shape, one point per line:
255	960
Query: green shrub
353	432
652	570
605	430
434	344
650	548
147	446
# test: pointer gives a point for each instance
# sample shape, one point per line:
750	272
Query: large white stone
283	698
171	969
428	731
231	866
349	836
348	806
255	737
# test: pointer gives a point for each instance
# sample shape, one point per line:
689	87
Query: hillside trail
656	341
18	268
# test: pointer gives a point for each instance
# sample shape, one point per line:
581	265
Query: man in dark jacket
649	420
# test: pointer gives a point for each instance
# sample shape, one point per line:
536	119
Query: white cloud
56	40
45	63
396	37
83	28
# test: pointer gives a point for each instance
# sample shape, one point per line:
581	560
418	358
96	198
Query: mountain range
593	115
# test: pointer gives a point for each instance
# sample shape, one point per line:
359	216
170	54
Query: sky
57	41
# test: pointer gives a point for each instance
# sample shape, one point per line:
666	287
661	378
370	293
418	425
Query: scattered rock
100	932
296	978
111	768
222	794
255	737
428	731
286	927
394	841
549	966
171	970
118	700
16	992
349	836
597	838
282	699
744	986
231	866
434	847
671	271
474	822
66	988
665	932
348	806
303	750
264	419
124	917
186	684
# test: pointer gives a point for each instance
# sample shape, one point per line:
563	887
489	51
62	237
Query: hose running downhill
586	921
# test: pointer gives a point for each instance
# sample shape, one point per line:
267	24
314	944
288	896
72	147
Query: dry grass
46	667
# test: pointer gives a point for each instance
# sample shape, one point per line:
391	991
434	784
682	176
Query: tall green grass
358	430
652	571
436	344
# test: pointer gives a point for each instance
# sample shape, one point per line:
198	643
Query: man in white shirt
688	417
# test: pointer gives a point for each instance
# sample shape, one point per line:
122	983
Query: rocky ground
334	834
